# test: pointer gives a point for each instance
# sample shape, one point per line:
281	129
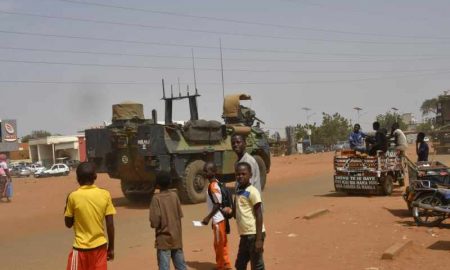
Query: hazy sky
63	64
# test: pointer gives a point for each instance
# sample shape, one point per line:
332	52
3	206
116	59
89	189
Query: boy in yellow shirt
86	209
249	218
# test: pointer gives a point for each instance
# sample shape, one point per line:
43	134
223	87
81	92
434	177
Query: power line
217	69
278	51
230	83
210	18
207	31
217	59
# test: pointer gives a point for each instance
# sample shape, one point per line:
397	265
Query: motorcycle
431	205
428	195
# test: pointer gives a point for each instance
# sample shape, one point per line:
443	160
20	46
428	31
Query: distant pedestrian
86	210
422	148
239	146
249	219
5	179
214	201
356	139
165	218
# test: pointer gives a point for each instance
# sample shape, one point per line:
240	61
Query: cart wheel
387	185
428	218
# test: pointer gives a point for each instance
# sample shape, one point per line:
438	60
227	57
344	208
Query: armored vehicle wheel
262	170
135	192
192	187
387	184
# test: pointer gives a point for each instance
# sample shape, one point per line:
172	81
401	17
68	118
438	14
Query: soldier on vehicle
356	139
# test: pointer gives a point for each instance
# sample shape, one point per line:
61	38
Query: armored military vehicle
134	149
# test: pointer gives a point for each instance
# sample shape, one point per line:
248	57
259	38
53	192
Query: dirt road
352	236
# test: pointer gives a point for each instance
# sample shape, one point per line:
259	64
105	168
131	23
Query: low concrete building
22	154
51	149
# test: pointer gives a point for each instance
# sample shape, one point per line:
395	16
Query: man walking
238	144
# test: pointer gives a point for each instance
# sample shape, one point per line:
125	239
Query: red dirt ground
352	236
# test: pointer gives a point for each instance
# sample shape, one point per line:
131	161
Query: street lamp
358	111
396	115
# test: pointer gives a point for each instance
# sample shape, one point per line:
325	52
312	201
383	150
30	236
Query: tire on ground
192	187
262	170
387	185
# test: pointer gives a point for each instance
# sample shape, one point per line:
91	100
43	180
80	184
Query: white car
35	167
55	170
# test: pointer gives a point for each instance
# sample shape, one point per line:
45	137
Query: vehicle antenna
187	90
164	91
221	68
179	85
171	91
193	68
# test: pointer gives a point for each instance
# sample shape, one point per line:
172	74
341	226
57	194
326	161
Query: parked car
35	167
315	148
55	170
20	171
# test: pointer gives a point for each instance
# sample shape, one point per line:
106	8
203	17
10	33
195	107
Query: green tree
425	127
429	106
334	128
386	120
36	134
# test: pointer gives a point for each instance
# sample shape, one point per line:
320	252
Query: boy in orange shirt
219	222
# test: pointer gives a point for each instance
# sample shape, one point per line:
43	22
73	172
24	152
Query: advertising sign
9	131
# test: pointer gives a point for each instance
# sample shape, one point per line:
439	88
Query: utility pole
307	110
221	68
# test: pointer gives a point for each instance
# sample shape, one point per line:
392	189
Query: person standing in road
5	179
422	148
238	144
249	219
165	218
86	210
214	199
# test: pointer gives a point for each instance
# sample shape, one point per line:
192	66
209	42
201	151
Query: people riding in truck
379	141
399	138
356	139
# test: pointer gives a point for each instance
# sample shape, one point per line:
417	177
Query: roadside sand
352	236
